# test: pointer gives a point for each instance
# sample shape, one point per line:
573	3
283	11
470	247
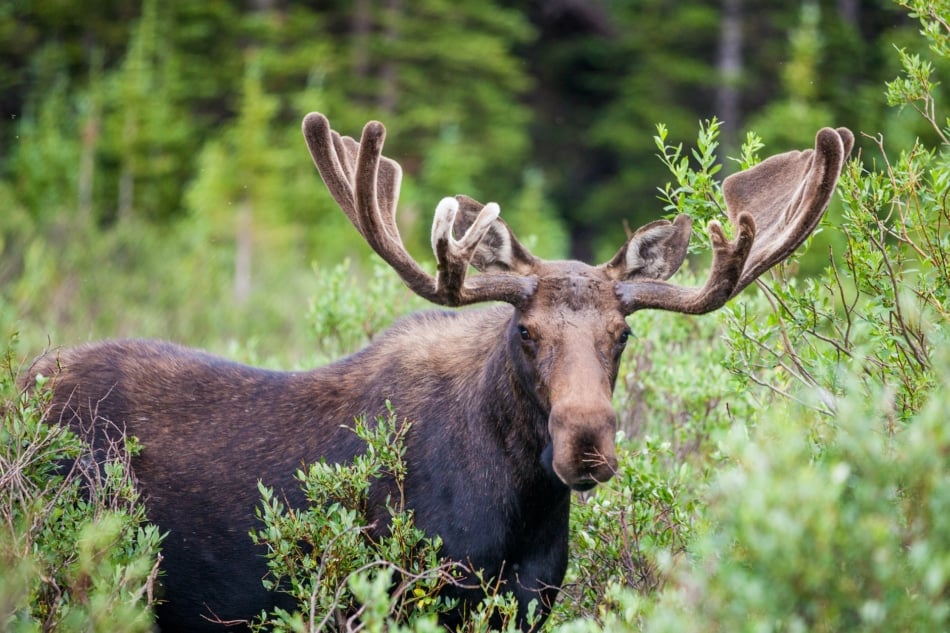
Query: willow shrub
842	530
813	525
76	552
344	576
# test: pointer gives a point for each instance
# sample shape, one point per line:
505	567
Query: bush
325	557
843	529
345	316
625	534
75	549
340	572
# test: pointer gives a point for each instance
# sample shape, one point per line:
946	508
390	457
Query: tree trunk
130	132
87	164
729	68
242	254
126	190
362	25
388	95
849	11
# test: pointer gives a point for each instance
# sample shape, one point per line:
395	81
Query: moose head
568	329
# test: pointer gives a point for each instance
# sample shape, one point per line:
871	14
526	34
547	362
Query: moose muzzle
582	436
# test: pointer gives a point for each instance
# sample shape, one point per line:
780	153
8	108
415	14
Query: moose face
567	343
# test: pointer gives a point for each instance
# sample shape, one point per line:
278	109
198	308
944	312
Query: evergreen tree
668	77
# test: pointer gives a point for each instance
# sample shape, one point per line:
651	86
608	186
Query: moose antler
366	186
775	206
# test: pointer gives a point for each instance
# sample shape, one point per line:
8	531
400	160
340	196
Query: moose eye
524	333
624	337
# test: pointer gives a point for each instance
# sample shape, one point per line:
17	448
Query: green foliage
175	156
935	26
346	316
917	88
330	560
626	534
346	574
76	553
673	385
841	529
150	93
696	193
794	119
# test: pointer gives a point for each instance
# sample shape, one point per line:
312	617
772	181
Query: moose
510	403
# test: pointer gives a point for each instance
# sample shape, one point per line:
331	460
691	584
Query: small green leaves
694	191
334	563
76	552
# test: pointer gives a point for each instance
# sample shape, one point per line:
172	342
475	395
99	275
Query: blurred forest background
155	183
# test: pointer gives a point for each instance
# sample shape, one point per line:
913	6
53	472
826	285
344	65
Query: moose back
510	403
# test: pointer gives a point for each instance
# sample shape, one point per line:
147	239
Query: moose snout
582	437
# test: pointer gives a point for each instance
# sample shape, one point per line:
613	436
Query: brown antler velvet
366	186
775	206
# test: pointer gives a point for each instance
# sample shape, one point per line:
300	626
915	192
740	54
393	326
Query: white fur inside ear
444	220
495	251
645	256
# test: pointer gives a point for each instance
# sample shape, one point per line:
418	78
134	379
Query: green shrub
674	385
345	316
625	534
323	554
340	575
843	529
76	553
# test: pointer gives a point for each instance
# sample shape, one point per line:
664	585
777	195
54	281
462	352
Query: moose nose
584	453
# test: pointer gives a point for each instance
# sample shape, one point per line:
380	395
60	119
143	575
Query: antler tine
336	158
775	206
373	187
366	186
326	147
455	256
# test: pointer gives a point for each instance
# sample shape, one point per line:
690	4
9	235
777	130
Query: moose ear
655	251
499	250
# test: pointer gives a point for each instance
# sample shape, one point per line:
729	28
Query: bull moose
510	403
